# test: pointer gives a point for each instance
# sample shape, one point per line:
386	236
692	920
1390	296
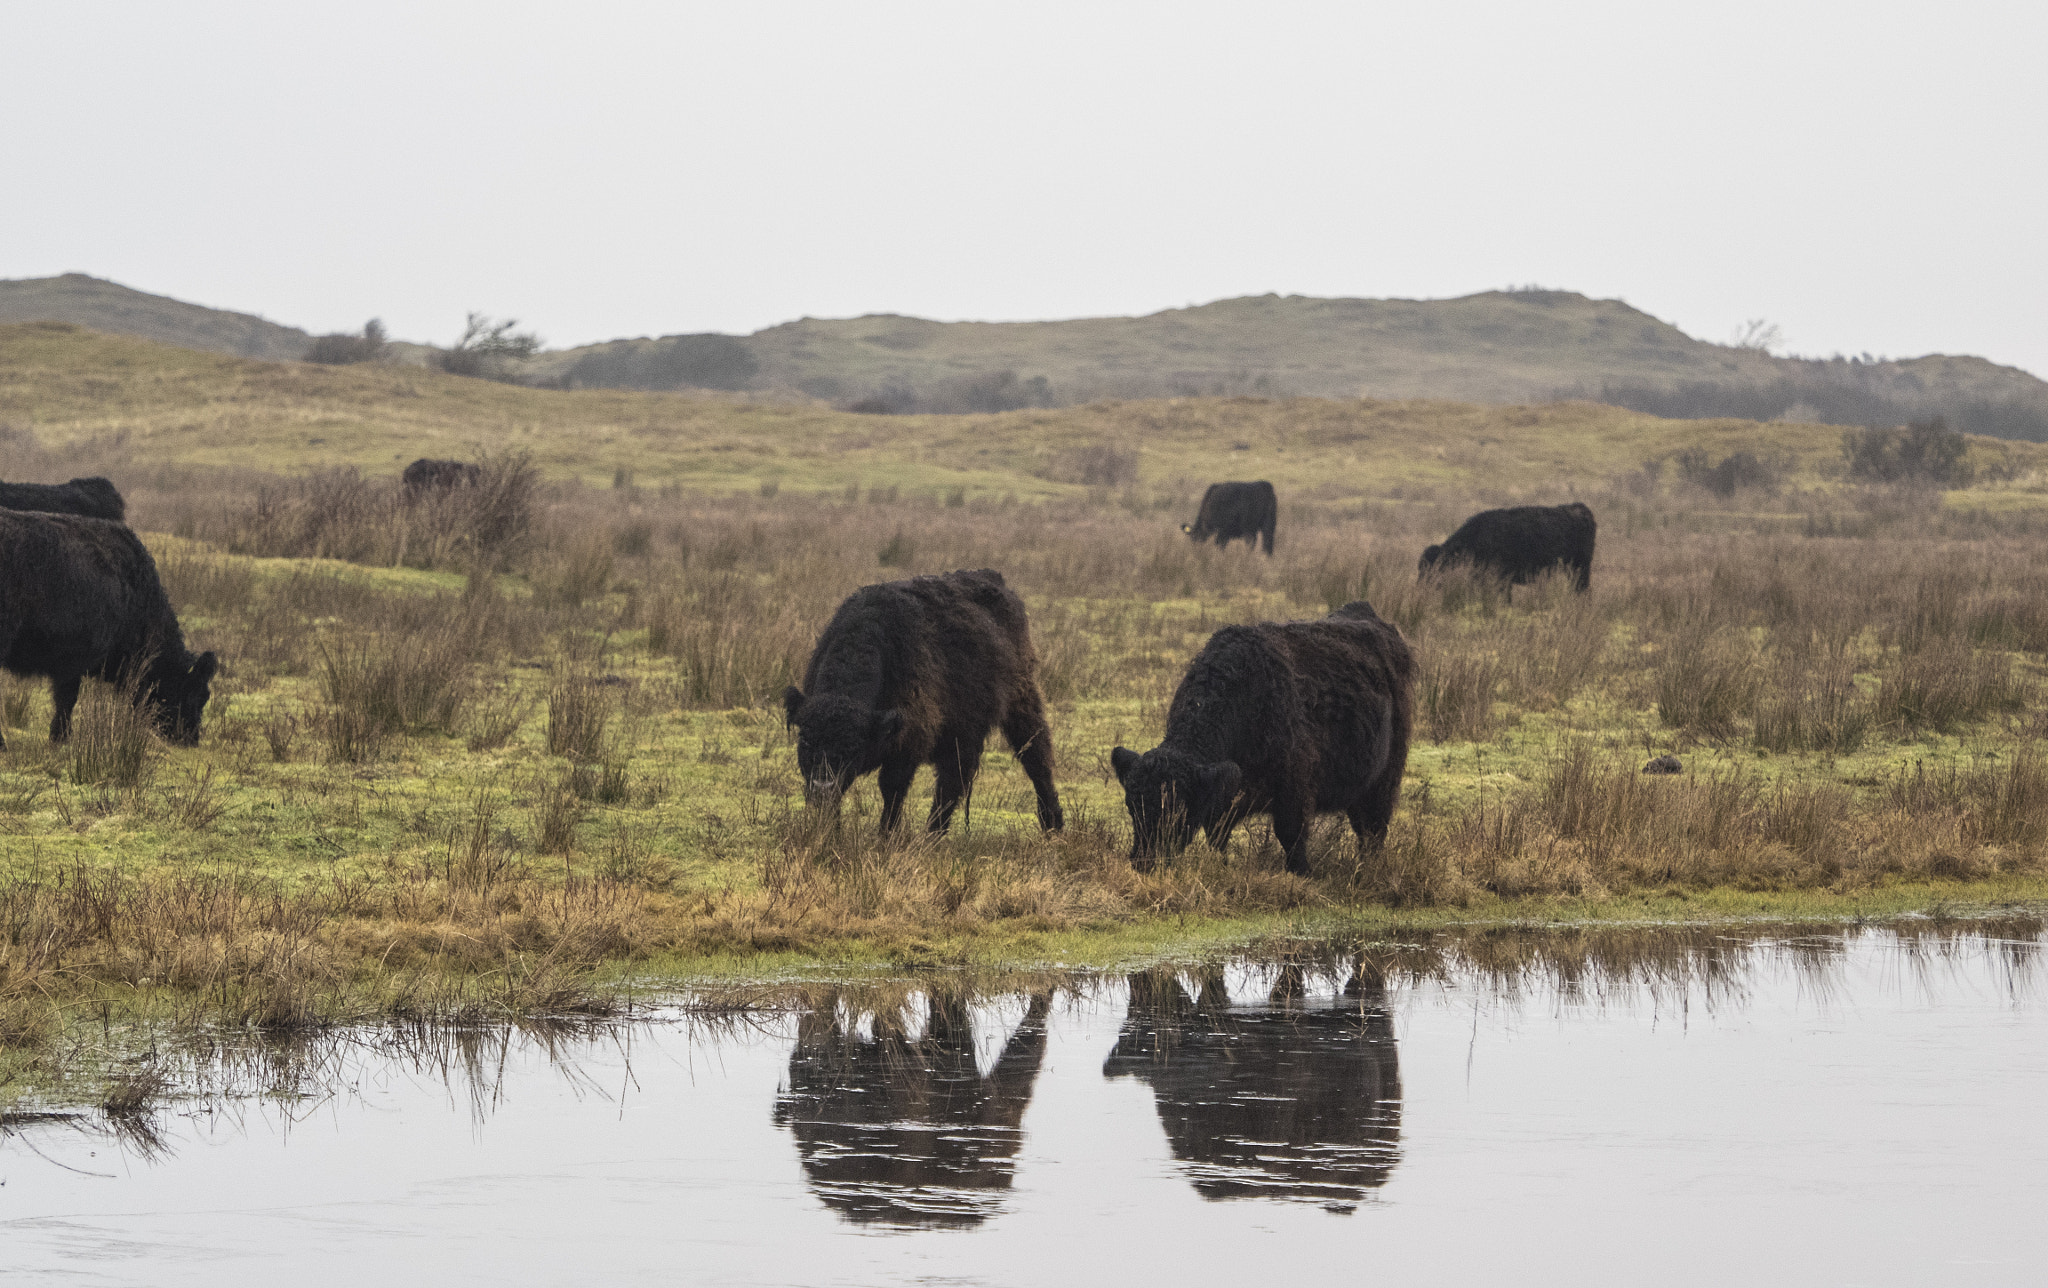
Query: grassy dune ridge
454	770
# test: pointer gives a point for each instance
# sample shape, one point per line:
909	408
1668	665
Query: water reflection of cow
895	1130
1286	1101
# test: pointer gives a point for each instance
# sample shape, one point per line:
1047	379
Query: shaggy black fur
1233	510
1290	719
915	672
1522	543
80	597
850	1099
1297	1102
427	474
95	498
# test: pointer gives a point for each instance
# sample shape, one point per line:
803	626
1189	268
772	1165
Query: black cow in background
80	597
429	475
1522	543
902	1131
915	672
95	498
1233	510
1290	719
1284	1100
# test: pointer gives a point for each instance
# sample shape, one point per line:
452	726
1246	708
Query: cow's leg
1291	817
1029	737
1369	818
63	697
957	760
894	780
1268	535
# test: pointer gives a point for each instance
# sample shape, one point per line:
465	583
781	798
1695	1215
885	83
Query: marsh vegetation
494	749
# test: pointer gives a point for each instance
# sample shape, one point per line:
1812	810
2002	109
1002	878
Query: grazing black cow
429	475
1522	543
1290	719
81	597
1286	1100
95	498
915	672
1233	510
900	1131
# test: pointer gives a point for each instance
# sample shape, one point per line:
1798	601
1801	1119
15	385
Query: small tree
340	350
488	349
1760	335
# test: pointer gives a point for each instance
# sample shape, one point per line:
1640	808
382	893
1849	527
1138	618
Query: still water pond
1838	1107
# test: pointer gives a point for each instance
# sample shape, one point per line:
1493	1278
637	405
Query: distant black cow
1522	543
1233	510
95	498
430	475
915	672
1289	719
1285	1100
80	597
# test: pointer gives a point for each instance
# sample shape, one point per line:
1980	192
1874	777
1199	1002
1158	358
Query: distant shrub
341	350
889	400
1926	451
706	361
1095	465
988	391
488	350
1733	473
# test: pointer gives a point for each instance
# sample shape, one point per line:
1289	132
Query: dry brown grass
1850	707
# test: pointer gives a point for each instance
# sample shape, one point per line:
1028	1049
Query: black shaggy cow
1522	543
1233	510
1290	719
429	475
80	597
915	672
95	498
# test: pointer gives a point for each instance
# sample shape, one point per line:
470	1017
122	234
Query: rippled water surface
1858	1107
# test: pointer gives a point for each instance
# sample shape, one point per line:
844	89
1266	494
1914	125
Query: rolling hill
78	401
1521	346
111	307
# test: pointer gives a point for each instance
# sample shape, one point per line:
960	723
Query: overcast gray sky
1870	176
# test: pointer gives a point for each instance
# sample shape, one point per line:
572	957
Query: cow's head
1429	558
837	740
180	691
1169	794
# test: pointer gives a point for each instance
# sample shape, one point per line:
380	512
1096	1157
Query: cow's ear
792	698
1220	784
1430	555
205	666
1187	528
886	724
1122	760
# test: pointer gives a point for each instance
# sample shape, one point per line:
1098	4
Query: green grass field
443	776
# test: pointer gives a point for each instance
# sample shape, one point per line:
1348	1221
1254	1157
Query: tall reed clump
113	742
579	711
1812	708
1455	694
341	513
1945	683
1706	681
390	681
736	642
